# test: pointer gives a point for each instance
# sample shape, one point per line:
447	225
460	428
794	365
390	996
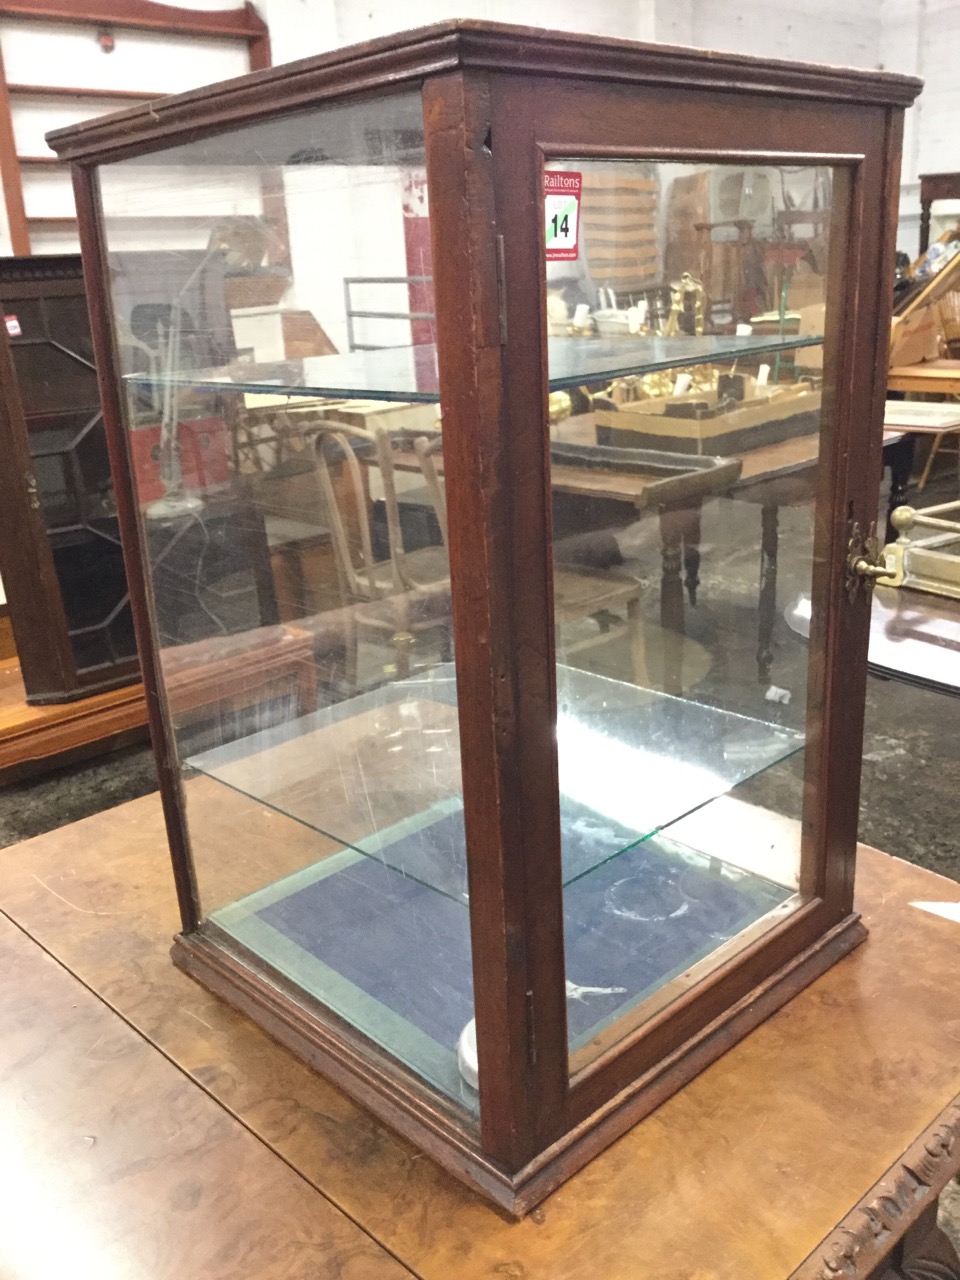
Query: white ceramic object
467	1044
467	1054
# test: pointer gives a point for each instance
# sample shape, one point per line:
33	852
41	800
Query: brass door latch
865	561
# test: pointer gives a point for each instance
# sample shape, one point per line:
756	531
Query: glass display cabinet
533	361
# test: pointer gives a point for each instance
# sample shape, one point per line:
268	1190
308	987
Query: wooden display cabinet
62	563
536	859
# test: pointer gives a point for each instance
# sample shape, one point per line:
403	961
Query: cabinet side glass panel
683	526
295	541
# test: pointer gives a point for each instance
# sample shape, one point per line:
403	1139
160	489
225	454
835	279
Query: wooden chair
363	577
578	592
406	596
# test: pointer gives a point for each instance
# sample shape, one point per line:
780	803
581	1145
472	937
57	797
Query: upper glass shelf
410	373
380	773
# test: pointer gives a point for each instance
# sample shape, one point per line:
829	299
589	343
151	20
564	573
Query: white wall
919	37
844	33
922	37
43	53
301	27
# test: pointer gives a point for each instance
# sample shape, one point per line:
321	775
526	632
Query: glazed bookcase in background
62	563
496	829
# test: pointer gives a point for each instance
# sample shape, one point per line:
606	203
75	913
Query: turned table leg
899	458
680	552
767	606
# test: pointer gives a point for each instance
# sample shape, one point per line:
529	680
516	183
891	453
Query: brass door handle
865	561
865	569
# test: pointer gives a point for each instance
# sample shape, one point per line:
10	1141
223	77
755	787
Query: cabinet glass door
685	306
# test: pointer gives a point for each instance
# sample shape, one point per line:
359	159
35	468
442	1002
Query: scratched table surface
161	1134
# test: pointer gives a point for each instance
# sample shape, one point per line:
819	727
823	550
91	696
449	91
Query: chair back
362	576
426	448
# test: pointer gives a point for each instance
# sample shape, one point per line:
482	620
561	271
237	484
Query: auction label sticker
561	202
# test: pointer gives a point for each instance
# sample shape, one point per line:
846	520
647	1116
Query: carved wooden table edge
865	1237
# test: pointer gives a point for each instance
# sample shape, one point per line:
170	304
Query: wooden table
937	377
771	477
149	1131
922	418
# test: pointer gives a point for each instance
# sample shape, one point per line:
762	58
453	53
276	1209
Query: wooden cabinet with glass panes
551	807
62	563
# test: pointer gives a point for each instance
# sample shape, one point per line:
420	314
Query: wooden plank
797	1121
68	91
243	23
114	1163
8	646
473	316
10	174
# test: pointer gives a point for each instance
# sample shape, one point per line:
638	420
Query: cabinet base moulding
33	732
396	1096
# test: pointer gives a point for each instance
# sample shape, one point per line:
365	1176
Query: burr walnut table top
807	1150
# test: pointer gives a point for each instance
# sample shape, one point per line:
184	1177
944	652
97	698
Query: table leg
937	441
767	605
924	225
672	620
691	551
899	458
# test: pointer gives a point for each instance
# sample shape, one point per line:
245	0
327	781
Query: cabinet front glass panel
683	487
273	309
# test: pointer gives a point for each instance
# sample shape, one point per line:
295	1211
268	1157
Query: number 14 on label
561	199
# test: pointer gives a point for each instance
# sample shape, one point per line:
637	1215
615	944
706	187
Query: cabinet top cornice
411	56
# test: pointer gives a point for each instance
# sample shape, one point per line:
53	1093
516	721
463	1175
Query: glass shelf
380	773
410	373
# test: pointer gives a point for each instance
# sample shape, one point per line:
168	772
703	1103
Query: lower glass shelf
381	773
379	930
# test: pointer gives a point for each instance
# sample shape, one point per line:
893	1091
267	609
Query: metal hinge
32	494
502	290
865	562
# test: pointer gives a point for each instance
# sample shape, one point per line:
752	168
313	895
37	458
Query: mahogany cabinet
540	845
62	564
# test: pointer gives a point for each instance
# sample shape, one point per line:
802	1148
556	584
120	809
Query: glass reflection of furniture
935	186
515	958
925	335
62	562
